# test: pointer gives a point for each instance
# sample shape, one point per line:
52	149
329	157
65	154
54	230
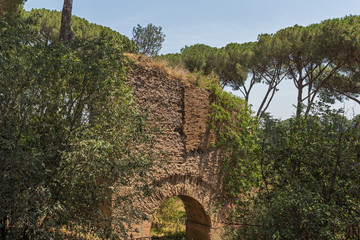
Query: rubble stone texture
189	164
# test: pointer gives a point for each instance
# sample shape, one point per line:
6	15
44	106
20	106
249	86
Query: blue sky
212	22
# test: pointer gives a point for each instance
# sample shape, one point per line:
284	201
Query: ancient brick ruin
192	164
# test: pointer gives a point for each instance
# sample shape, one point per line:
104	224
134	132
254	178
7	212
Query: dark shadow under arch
198	223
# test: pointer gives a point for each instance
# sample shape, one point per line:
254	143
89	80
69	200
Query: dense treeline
69	129
307	185
322	60
48	26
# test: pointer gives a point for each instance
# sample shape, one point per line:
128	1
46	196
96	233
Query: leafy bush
310	182
69	129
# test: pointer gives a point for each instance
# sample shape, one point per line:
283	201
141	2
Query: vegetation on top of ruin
178	72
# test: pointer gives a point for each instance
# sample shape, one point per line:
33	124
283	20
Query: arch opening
183	217
168	222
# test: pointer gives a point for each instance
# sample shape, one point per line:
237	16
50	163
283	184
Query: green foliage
48	25
310	181
69	129
236	134
10	6
343	32
148	39
169	220
233	63
199	58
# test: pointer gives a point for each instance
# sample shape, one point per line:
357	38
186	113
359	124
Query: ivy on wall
236	133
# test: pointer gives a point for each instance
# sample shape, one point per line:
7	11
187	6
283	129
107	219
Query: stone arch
197	197
198	222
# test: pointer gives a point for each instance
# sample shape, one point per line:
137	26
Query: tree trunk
299	99
66	34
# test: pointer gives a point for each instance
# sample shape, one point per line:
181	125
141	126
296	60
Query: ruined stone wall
189	165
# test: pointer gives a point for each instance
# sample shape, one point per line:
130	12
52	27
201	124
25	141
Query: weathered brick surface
189	166
196	108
